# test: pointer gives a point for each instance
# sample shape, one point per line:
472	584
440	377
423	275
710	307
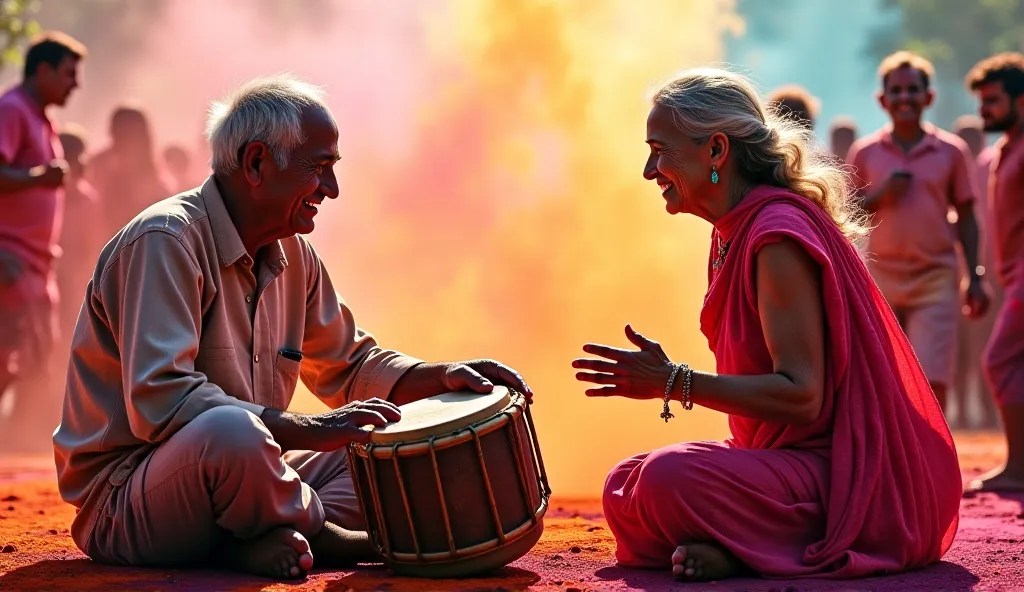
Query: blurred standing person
914	173
126	174
842	134
179	167
998	82
32	171
795	102
80	241
969	385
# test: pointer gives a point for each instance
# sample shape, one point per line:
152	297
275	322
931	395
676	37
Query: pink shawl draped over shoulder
893	499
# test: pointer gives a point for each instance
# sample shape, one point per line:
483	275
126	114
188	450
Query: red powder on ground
575	553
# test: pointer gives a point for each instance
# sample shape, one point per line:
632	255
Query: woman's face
681	168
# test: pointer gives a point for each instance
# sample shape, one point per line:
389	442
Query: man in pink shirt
998	83
31	174
914	173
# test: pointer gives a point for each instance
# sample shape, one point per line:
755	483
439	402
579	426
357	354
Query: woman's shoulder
787	219
783	215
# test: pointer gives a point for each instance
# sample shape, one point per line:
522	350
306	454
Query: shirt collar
225	235
929	142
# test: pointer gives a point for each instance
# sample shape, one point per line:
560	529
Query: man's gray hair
267	109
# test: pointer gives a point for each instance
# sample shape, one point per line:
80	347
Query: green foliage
16	27
954	35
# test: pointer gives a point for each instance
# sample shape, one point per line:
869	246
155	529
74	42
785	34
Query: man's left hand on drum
429	379
331	430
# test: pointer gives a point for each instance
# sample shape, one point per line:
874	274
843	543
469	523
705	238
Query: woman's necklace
722	250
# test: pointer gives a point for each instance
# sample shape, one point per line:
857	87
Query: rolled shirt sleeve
155	286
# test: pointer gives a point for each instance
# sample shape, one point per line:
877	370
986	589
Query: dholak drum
456	488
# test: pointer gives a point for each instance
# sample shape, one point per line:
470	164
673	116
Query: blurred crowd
63	194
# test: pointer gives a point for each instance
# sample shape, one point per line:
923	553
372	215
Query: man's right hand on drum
430	379
331	430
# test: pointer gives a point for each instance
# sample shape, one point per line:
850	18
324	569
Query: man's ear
253	162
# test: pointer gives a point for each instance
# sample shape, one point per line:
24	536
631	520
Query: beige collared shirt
179	319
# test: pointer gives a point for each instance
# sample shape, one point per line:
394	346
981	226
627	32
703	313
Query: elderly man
201	315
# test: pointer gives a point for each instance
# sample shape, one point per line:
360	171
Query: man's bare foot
279	553
703	562
1001	479
335	546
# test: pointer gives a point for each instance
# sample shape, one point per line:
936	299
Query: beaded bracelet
687	380
665	413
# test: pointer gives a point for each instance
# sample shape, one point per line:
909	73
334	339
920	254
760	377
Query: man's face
292	195
998	111
905	96
55	84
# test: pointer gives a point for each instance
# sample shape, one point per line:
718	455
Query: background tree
16	26
954	35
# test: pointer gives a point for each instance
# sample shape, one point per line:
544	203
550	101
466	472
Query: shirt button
248	298
256	358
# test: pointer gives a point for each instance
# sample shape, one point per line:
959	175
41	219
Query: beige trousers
220	476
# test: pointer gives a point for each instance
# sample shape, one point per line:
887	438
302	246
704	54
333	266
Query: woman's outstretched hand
634	374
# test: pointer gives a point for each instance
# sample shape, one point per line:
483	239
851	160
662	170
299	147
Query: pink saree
873	486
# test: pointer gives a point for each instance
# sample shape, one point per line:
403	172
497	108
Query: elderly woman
840	464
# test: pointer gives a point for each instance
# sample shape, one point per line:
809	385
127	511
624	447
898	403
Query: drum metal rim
460	436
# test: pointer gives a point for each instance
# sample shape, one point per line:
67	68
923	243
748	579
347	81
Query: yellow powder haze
517	224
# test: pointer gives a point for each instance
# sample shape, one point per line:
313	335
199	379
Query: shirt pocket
221	367
286	377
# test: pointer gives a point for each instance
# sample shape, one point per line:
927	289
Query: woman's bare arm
789	298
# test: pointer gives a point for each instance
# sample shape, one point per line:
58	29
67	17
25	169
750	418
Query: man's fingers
497	372
388	410
362	417
463	377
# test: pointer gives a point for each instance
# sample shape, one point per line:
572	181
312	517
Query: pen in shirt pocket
291	354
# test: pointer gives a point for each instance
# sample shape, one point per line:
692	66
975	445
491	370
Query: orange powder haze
492	199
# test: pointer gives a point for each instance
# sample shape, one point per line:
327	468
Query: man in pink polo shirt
914	173
998	83
31	175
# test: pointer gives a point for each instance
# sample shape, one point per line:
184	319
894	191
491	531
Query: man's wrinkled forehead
320	133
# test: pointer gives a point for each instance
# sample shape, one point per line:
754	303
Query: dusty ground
574	554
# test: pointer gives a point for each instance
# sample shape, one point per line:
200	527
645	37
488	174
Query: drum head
442	414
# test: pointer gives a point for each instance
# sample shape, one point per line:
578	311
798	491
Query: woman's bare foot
703	562
1000	479
339	547
279	553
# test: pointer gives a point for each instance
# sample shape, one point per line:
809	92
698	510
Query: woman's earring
714	174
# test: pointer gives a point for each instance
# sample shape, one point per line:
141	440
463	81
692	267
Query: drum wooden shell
457	504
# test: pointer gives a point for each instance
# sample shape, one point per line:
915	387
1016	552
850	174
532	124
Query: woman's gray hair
267	109
769	147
